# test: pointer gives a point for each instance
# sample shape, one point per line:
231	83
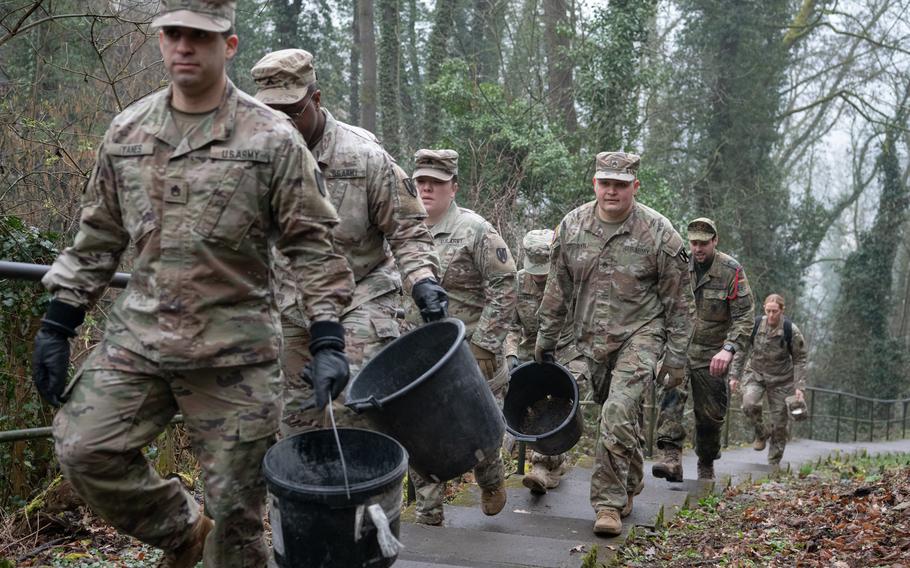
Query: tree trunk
354	111
443	24
486	39
559	64
287	16
368	63
390	60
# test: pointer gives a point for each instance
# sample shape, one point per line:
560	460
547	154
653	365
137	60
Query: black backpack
788	332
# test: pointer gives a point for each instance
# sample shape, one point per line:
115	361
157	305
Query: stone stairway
555	530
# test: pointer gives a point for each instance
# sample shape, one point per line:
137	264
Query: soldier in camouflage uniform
724	311
479	275
620	267
382	233
546	471
203	180
774	367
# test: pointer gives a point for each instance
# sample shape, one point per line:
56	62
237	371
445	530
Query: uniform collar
219	126
324	152
710	273
594	225
447	223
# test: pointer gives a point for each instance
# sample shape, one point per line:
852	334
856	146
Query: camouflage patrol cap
284	76
616	165
701	229
437	164
208	15
536	245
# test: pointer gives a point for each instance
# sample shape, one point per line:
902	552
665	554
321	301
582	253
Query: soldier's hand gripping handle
542	355
431	298
328	372
671	377
51	357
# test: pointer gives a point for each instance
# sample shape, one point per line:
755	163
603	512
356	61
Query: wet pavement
555	530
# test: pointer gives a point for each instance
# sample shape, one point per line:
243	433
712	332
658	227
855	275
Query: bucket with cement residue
541	407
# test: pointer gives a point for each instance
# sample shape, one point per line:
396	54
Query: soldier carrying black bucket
202	179
626	268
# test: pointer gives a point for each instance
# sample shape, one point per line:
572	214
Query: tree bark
354	110
559	65
443	25
368	64
287	16
390	61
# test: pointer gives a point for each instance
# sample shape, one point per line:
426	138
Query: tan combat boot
538	479
705	470
671	466
608	522
493	500
190	553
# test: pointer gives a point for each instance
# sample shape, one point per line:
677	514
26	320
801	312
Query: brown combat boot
538	479
671	466
608	522
493	500
190	552
705	470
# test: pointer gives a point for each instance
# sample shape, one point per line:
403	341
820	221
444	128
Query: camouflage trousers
709	400
578	366
120	402
619	384
489	473
754	388
367	328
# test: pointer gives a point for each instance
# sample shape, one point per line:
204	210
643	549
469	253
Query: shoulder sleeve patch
672	243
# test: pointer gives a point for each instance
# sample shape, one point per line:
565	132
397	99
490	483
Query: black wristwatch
729	347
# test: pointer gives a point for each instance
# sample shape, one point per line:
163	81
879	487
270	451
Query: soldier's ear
230	46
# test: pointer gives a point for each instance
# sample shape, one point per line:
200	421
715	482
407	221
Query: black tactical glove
51	357
542	355
431	298
513	362
328	372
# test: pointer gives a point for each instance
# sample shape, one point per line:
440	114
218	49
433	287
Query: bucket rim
367	403
522	437
335	491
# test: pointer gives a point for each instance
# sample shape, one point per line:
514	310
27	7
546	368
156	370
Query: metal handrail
35	272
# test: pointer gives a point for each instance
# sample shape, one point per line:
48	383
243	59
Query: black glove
542	355
513	362
51	357
431	298
328	372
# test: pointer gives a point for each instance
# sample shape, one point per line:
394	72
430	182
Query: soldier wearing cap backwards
724	312
546	471
382	222
775	363
204	180
479	275
620	267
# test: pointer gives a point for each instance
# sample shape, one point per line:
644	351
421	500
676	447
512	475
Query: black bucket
426	390
541	407
314	523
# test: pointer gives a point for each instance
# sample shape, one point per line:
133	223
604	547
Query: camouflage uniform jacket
478	273
203	212
523	332
382	218
636	278
769	356
724	309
